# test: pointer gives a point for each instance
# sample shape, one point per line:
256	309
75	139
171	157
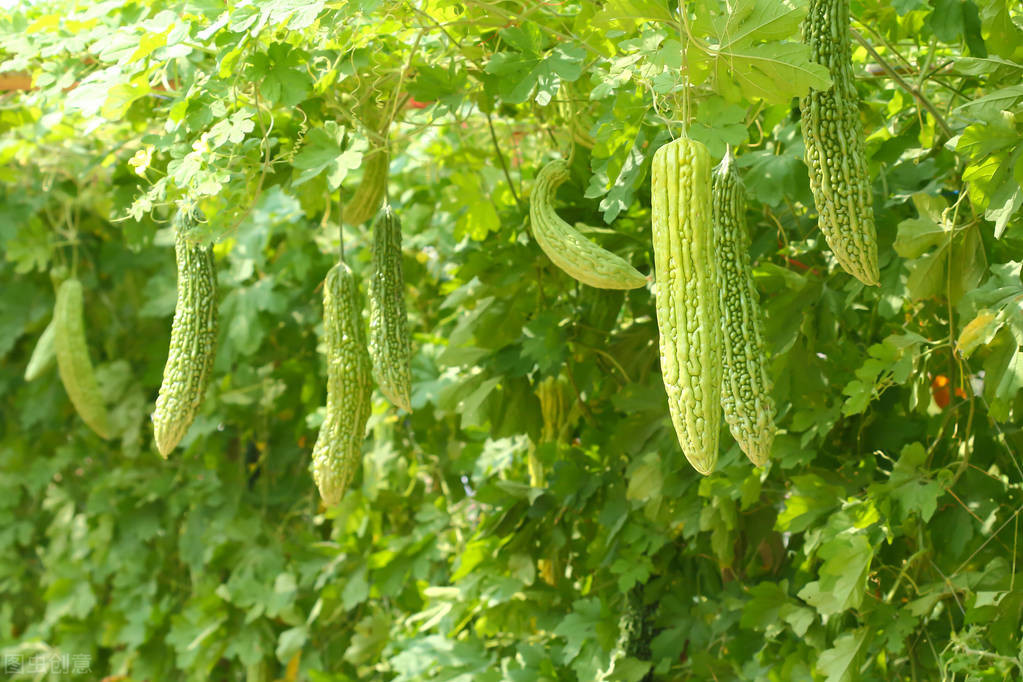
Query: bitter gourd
745	392
566	247
389	344
839	176
376	162
193	341
687	296
73	363
552	409
338	448
43	355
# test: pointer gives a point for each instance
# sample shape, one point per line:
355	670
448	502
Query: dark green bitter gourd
566	247
338	449
193	341
746	388
73	363
389	344
839	175
43	355
687	296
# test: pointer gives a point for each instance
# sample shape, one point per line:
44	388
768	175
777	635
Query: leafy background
483	540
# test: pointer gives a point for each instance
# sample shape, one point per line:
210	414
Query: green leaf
978	332
947	20
280	74
774	72
748	22
999	100
1001	34
290	642
910	485
579	626
356	590
629	12
843	575
371	635
630	670
233	129
839	662
477	216
719	124
916	236
322	152
810	499
766	602
645	480
1003	374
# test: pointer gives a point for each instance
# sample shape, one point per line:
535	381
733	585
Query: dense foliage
533	517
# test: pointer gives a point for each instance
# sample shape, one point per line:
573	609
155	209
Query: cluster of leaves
488	536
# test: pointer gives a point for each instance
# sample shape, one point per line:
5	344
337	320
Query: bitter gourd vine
389	343
839	176
745	392
566	247
193	341
43	355
687	296
376	162
338	448
73	363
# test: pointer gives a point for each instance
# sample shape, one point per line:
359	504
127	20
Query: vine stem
266	166
504	165
919	96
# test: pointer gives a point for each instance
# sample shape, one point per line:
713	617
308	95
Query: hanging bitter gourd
389	344
193	341
839	176
338	448
745	391
43	355
687	296
73	363
566	247
376	163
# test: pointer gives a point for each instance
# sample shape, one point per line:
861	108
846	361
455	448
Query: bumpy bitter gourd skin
746	388
687	296
338	448
566	247
389	345
43	355
193	341
839	175
73	363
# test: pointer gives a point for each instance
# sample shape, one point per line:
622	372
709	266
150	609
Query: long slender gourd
338	448
389	344
566	247
73	363
839	175
43	355
193	341
366	199
687	296
746	388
